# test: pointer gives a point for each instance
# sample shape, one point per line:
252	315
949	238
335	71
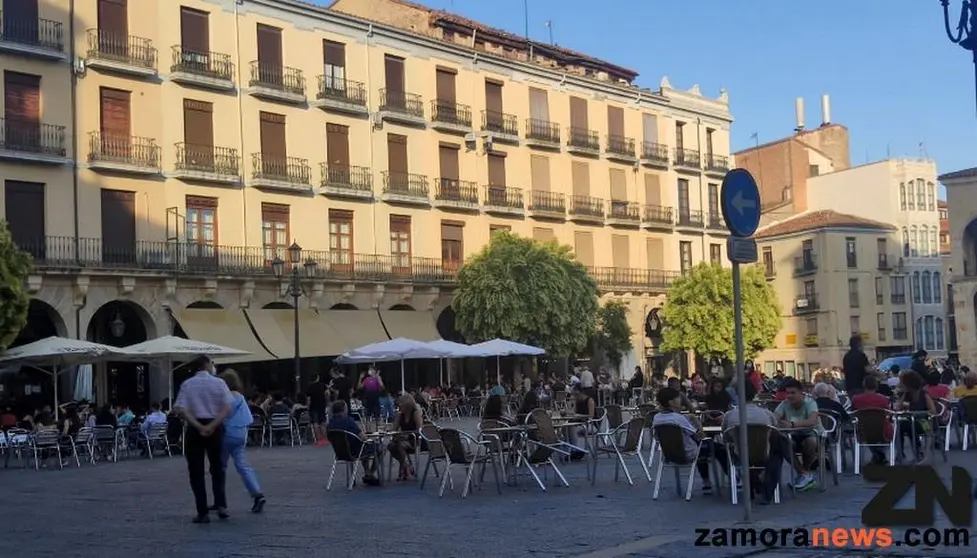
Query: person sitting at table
871	399
826	396
934	388
156	416
766	484
386	405
106	416
968	385
717	398
407	422
493	408
800	414
676	384
584	407
278	406
71	422
7	418
914	399
530	401
670	403
126	416
340	420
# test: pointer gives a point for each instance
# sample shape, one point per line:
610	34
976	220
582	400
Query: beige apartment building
961	193
159	155
833	276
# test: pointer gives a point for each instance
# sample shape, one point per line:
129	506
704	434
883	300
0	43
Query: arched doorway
446	326
969	249
406	307
205	304
31	388
277	306
343	306
122	323
42	321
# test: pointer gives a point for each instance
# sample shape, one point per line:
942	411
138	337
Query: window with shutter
619	185
198	133
496	169
116	139
334	65
583	247
393	73
397	161
539	108
493	102
615	121
653	190
649	128
113	28
20	23
621	251
273	150
580	175
194	32
270	69
683	199
445	85
542	234
578	113
496	229
540	172
337	147
341	240
656	253
452	245
201	230
400	246
25	215
118	226
275	231
22	111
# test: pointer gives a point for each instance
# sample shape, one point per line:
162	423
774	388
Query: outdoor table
590	439
518	448
17	441
820	437
714	432
375	439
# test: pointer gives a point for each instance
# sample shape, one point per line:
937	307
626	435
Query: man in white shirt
155	417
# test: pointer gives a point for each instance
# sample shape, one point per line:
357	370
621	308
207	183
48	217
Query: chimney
825	110
799	110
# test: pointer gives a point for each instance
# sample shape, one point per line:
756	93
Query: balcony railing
658	214
32	137
687	158
404	103
120	149
631	278
452	190
624	211
293	170
40	33
884	264
224	161
654	152
343	90
583	139
451	113
716	221
214	65
717	163
359	179
500	123
587	206
124	49
553	202
503	196
620	145
806	304
278	77
405	183
691	218
542	130
806	264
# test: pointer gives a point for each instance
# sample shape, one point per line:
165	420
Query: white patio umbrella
172	349
396	349
83	383
455	350
58	353
502	347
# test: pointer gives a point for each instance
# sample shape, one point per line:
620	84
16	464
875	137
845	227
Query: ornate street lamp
966	26
295	290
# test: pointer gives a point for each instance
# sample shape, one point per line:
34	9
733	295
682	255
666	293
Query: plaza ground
139	507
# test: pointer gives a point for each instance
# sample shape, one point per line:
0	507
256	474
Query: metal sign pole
741	394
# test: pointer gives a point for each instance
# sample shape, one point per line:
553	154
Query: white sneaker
804	481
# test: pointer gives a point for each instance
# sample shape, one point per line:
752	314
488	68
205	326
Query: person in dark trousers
204	402
855	366
318	402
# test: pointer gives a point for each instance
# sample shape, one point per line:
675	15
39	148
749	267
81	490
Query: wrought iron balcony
277	171
624	213
503	199
208	159
347	181
32	138
688	158
400	102
277	81
544	202
582	140
542	133
500	123
806	304
653	215
654	154
121	152
806	264
453	114
884	263
716	222
644	280
40	34
405	184
620	146
717	163
341	90
691	218
120	51
456	191
214	66
586	206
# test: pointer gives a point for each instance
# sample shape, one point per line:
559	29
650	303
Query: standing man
204	402
855	366
317	408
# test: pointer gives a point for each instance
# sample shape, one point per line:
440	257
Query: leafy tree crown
15	265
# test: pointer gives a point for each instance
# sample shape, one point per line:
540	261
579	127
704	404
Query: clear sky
894	78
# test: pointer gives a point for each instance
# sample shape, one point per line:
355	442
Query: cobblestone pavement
140	507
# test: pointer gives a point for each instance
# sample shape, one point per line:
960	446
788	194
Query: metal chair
871	431
671	450
431	437
45	442
632	432
280	424
462	449
83	444
154	437
759	437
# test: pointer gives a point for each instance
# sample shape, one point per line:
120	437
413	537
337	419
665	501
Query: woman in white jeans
236	438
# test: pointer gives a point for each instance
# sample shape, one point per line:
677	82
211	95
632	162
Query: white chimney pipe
825	110
799	110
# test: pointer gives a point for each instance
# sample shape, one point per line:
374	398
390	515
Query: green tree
15	265
528	292
613	335
698	312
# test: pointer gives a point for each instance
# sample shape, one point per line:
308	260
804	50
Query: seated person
687	404
968	386
126	415
915	400
826	396
871	399
800	413
493	408
157	416
530	401
670	403
278	406
340	421
717	398
934	388
583	407
767	485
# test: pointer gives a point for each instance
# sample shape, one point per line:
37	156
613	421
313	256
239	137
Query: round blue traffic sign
740	200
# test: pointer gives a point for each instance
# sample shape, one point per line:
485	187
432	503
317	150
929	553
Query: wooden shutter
578	112
448	158
333	53
452	230
272	135
118	224
445	84
21	97
269	46
619	185
683	195
653	189
539	108
649	127
400	223
337	145
680	135
115	112
615	121
496	169
493	96
580	174
198	123
540	172
397	153
194	30
621	250
20	21
24	211
656	253
393	72
541	234
583	247
113	17
274	212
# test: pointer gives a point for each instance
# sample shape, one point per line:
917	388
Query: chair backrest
454	447
615	417
432	436
671	439
969	405
104	433
302	418
47	437
342	444
280	420
871	425
758	437
545	432
84	435
632	441
647	410
157	430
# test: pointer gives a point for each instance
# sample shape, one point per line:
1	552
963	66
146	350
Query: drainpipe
240	119
72	58
369	95
704	206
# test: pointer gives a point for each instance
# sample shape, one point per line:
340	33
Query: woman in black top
493	408
106	417
530	401
914	399
71	423
717	398
408	422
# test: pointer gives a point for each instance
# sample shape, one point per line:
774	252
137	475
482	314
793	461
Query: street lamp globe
278	267
294	253
310	268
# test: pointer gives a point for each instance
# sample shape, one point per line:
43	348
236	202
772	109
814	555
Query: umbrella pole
56	409
403	384
440	372
169	372
498	370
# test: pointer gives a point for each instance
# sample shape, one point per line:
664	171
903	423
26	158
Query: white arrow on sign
740	203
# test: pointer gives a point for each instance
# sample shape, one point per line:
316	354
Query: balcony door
400	248
274	231
115	125
270	56
397	177
446	95
118	227
201	231
713	202
22	111
20	21
684	212
449	182
273	152
334	67
496	177
198	134
337	154
340	241
452	245
113	29
24	208
493	106
393	74
195	40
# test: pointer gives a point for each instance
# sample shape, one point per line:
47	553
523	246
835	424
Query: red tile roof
820	219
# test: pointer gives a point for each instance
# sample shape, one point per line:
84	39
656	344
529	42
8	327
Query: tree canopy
15	265
529	292
613	335
698	312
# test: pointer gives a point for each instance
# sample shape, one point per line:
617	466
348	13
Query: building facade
159	156
961	190
825	268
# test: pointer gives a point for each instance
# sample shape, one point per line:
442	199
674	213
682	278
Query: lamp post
966	26
295	290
